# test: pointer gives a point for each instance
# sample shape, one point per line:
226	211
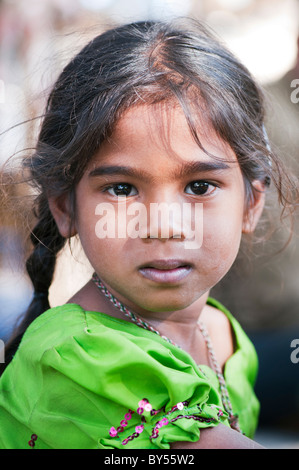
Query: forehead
165	126
159	135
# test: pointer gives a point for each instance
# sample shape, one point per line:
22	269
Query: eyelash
128	185
113	186
203	182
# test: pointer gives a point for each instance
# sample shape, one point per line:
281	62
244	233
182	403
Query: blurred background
37	38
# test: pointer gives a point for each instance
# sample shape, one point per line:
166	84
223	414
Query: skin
156	145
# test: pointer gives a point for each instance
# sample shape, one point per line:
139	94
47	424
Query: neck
180	326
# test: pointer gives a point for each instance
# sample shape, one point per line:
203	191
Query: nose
165	221
175	218
165	217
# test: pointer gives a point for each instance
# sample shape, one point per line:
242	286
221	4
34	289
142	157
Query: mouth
166	271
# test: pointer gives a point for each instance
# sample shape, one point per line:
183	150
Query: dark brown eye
122	190
200	188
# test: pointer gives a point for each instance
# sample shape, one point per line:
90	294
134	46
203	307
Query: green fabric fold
77	374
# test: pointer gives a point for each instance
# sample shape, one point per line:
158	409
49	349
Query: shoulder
68	334
214	315
54	325
221	317
92	351
222	322
69	329
220	331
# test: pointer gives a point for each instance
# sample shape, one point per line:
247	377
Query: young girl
141	357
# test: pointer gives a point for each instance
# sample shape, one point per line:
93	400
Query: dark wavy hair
148	62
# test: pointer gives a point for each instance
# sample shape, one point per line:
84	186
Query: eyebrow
187	169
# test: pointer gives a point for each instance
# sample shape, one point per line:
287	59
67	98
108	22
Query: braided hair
40	265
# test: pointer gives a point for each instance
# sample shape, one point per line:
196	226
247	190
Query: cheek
105	251
102	252
221	239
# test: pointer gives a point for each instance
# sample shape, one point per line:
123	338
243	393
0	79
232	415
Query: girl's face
151	158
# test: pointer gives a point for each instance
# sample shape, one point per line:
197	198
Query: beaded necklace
233	419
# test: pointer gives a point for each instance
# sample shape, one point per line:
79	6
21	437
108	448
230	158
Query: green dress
85	380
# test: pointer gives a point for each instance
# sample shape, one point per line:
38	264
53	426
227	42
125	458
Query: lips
166	271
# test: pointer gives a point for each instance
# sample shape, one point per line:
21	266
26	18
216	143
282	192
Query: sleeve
107	389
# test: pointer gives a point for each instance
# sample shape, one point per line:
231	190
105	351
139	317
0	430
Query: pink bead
148	407
155	434
140	410
139	429
164	421
124	423
113	432
128	416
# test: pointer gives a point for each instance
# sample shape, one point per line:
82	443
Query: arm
219	437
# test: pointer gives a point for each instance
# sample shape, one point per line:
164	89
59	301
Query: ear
255	207
60	207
